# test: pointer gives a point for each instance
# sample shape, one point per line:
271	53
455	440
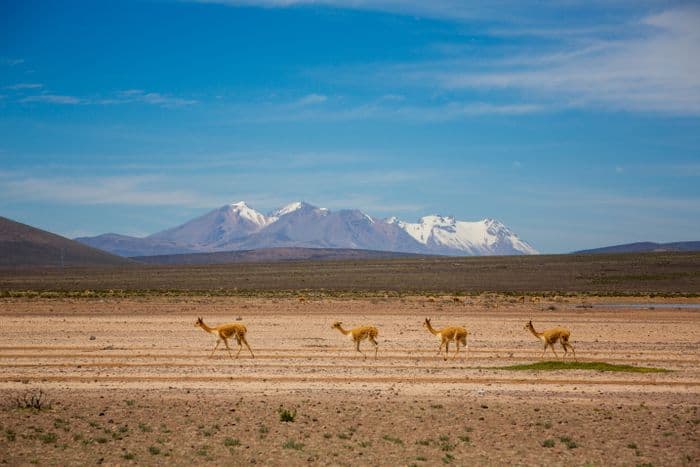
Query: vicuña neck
340	328
205	327
431	329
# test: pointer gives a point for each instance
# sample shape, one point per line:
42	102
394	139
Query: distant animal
550	337
359	334
458	334
224	332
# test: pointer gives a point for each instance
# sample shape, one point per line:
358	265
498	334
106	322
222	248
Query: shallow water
646	305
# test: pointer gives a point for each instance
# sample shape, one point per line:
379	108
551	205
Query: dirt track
408	406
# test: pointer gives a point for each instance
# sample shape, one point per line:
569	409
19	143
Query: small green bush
287	415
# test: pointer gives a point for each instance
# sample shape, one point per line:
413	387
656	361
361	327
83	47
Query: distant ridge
239	227
645	247
23	245
271	255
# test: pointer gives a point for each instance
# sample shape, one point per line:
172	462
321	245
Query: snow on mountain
448	236
287	209
237	226
220	226
294	207
246	212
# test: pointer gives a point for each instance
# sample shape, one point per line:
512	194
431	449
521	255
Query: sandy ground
131	381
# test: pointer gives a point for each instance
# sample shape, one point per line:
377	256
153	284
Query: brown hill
22	245
272	255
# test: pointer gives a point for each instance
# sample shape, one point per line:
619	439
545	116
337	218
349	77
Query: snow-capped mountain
446	235
239	227
218	227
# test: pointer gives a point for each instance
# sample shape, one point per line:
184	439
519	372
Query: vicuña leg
376	346
455	355
447	346
228	348
240	347
551	346
215	347
246	344
563	346
567	344
357	347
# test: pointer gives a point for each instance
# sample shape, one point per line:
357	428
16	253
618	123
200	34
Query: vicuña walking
550	337
359	334
224	332
458	334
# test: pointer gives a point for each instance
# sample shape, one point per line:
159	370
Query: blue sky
575	123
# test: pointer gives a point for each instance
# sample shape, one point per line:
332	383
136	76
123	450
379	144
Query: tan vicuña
550	337
224	331
359	334
448	334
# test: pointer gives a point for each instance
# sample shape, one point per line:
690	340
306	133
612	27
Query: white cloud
311	99
379	109
11	61
655	72
119	190
129	96
20	86
53	99
153	98
453	9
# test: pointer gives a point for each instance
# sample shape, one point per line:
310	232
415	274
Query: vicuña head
337	324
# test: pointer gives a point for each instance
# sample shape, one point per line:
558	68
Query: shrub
291	444
287	415
33	400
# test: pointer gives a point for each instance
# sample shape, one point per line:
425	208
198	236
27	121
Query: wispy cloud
382	108
153	98
21	86
130	96
53	99
118	190
311	99
653	72
8	61
454	10
587	198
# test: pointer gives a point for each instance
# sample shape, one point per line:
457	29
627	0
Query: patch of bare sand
144	390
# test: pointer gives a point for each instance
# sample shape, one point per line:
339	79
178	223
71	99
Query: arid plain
129	380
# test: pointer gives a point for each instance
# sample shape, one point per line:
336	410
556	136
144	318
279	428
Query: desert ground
129	380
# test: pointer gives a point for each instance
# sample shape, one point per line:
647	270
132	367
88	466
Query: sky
576	123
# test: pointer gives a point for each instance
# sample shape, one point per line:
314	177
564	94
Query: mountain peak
244	211
292	207
436	219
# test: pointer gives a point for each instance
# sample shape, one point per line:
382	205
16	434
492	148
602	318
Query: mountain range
646	247
237	226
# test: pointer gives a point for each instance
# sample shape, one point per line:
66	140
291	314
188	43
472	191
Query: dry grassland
128	380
